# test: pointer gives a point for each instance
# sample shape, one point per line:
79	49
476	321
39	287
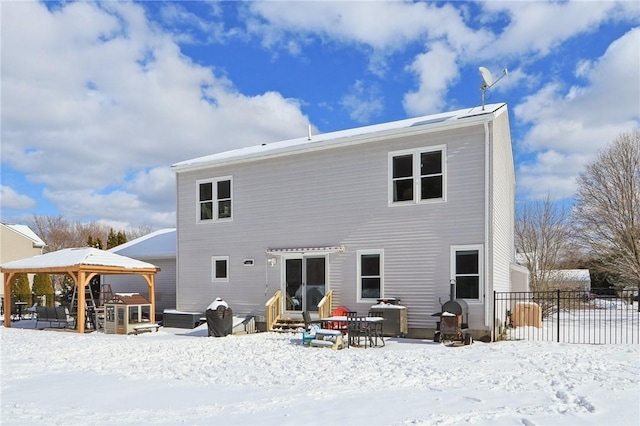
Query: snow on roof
158	244
571	275
128	299
77	256
447	119
25	231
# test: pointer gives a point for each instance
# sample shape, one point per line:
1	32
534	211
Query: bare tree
542	234
55	231
59	233
607	211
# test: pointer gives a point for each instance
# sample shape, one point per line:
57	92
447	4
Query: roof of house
433	122
26	232
157	244
77	256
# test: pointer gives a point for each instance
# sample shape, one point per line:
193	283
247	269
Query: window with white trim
220	268
214	199
417	175
466	270
370	272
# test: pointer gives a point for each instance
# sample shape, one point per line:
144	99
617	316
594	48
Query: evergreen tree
67	287
112	239
121	237
42	286
20	289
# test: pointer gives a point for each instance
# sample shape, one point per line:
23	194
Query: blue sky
99	99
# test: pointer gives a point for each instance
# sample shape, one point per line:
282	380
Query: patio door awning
305	250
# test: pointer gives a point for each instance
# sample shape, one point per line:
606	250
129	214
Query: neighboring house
570	279
390	210
157	248
559	279
18	242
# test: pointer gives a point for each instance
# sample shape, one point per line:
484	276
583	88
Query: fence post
558	314
493	337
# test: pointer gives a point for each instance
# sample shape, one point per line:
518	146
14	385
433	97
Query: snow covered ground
181	376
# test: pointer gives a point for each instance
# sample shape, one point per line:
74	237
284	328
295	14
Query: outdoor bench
328	339
142	328
59	315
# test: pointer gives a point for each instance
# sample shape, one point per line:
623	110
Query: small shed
124	312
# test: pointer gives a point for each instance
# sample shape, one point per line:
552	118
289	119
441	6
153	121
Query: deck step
289	325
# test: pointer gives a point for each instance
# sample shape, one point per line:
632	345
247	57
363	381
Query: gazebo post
8	276
80	284
150	278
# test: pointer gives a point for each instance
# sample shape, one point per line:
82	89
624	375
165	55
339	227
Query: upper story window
370	274
466	270
214	199
417	175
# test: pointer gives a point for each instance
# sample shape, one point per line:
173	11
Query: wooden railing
274	309
324	307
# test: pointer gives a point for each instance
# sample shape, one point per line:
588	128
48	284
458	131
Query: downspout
488	248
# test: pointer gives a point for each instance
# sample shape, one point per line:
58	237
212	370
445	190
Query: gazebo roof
85	258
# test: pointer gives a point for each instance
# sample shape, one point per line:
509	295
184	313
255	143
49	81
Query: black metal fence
567	317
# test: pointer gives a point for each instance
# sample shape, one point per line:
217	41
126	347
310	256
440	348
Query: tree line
600	231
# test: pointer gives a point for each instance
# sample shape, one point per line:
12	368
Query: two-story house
18	242
391	210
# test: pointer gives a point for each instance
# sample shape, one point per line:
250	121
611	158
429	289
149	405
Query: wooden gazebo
81	264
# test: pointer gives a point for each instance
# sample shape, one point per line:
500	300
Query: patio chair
32	310
376	327
340	311
308	322
357	327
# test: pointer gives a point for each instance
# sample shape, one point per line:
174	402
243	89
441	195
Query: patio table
342	320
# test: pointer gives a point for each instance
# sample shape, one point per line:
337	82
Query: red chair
340	311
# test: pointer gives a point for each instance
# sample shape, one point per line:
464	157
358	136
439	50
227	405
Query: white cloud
10	199
538	27
436	70
378	28
363	102
575	122
352	22
92	92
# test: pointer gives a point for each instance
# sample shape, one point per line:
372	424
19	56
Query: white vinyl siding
337	197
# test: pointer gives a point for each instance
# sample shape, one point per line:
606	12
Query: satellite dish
487	77
487	81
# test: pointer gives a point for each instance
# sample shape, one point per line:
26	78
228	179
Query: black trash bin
220	321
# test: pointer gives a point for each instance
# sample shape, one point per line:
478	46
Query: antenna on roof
309	133
487	81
